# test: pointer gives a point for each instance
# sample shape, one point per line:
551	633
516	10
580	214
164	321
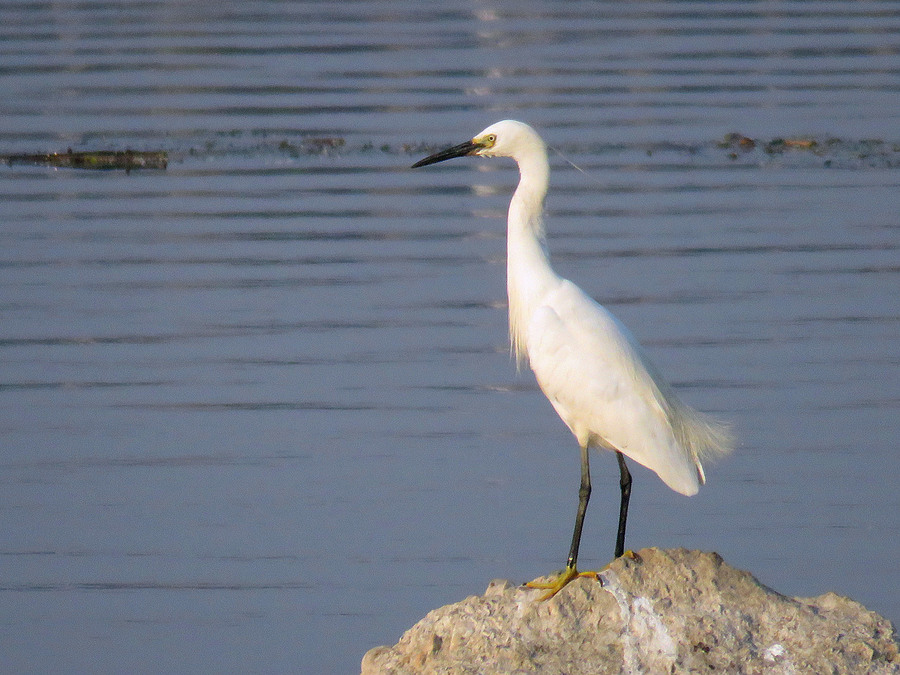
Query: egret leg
625	486
571	571
584	496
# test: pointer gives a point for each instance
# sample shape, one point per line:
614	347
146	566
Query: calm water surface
257	412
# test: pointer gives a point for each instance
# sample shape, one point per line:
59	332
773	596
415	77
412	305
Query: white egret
587	363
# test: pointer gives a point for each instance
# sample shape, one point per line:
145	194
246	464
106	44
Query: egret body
586	362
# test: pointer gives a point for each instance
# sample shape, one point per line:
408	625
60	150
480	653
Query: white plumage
587	363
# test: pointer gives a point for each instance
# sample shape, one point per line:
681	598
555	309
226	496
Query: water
256	410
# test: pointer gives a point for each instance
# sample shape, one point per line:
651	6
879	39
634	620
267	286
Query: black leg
625	486
584	494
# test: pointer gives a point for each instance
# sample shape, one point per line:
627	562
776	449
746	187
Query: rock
669	611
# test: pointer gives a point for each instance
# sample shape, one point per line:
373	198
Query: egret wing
593	372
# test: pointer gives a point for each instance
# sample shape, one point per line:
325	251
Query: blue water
257	412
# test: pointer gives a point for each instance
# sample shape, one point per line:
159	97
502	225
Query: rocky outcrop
667	611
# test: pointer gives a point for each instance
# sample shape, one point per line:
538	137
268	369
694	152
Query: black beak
461	150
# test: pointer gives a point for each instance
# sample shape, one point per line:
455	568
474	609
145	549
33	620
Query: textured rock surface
674	611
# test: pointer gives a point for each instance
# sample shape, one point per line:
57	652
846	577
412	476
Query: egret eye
492	138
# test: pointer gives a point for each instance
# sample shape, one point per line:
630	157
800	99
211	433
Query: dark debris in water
264	142
102	160
832	151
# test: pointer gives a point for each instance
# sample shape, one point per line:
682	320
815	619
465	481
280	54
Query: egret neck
529	275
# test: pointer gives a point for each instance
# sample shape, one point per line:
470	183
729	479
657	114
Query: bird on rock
587	363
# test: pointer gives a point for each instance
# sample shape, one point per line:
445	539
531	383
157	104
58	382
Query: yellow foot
555	586
570	573
632	555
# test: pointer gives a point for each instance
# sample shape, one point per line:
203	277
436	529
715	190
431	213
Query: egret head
508	138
